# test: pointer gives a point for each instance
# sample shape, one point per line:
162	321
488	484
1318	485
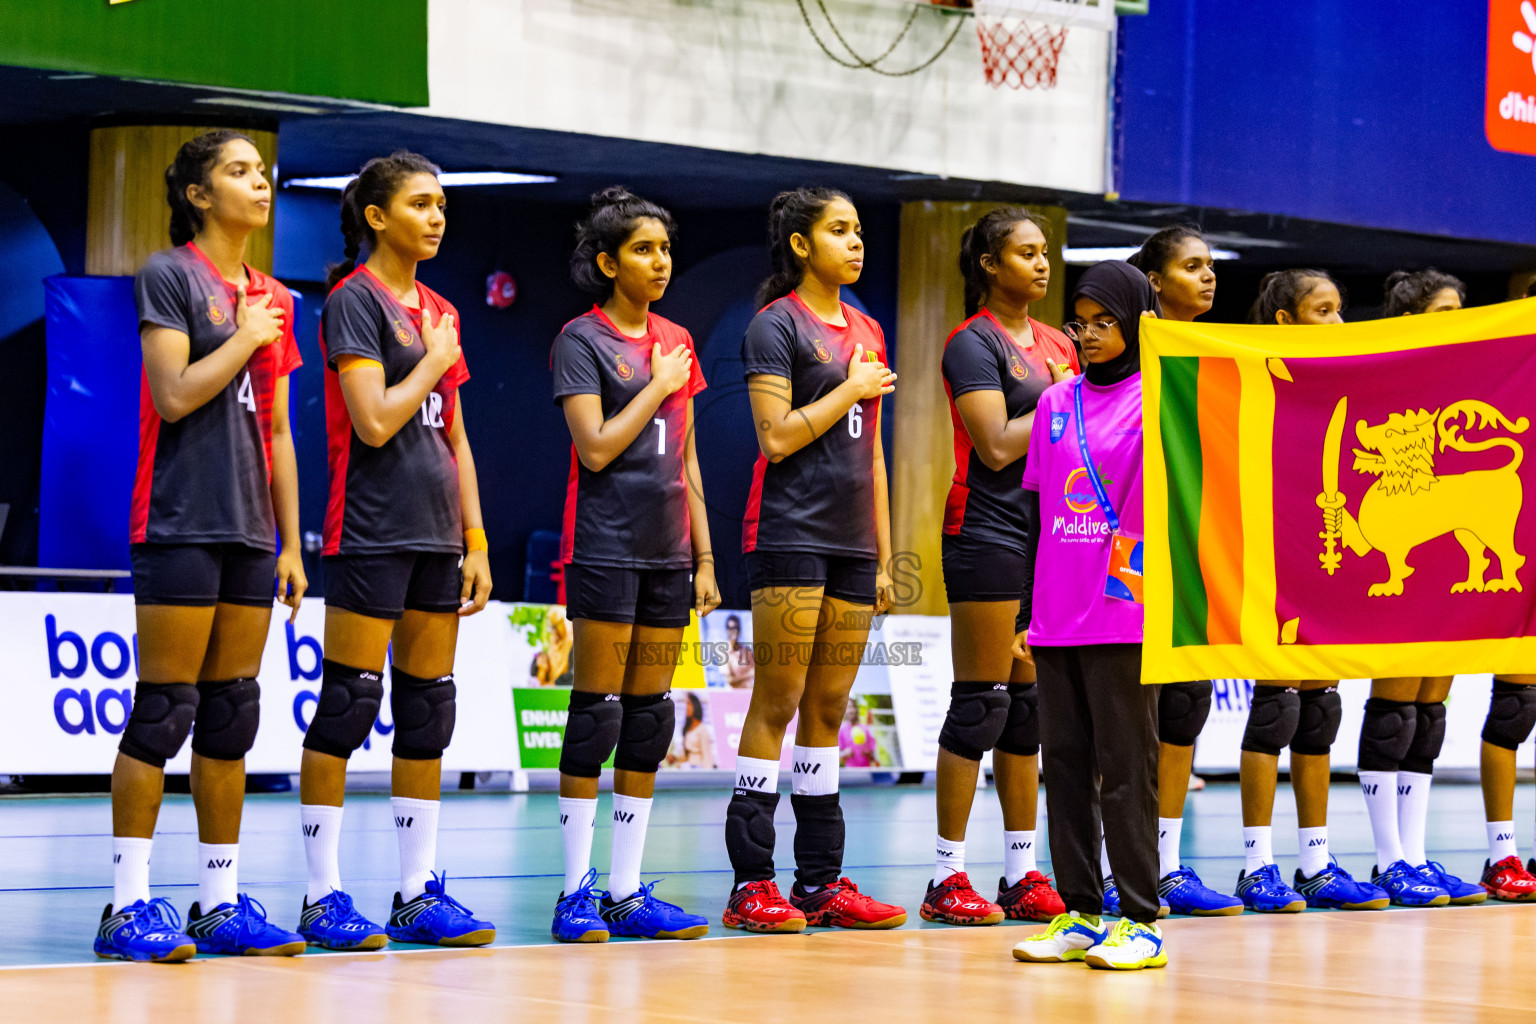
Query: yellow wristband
474	540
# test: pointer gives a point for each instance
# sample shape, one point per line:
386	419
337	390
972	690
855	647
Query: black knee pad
978	713
1182	709
750	835
157	726
1273	714
1021	736
228	713
424	712
1428	738
819	838
646	733
592	728
1321	711
1511	713
348	707
1386	734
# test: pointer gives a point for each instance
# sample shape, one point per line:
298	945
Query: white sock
949	858
1104	859
815	771
757	774
218	866
578	818
1412	812
1018	855
1380	790
130	870
1169	832
1258	847
416	832
1501	841
630	816
322	836
1312	844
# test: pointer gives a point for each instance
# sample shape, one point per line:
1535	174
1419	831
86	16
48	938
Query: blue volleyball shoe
1068	937
1407	888
1461	893
241	928
1112	901
1184	893
643	916
143	931
333	923
577	918
1333	888
1265	892
436	919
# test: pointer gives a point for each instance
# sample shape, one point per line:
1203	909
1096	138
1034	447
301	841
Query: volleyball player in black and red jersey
216	483
997	364
637	556
817	538
405	551
1179	265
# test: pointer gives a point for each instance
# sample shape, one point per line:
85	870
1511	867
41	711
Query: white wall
745	76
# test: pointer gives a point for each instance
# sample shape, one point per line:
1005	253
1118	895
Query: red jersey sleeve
459	373
288	357
696	381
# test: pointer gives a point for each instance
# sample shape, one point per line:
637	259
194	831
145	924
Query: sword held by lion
1409	504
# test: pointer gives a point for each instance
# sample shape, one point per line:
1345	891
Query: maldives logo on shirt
216	314
1078	493
624	370
402	334
1509	110
1017	368
820	348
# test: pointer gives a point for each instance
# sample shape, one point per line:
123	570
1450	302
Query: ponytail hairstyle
194	163
986	238
791	213
1157	251
616	212
1410	291
375	185
1286	289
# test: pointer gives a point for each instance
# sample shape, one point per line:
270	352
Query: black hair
1157	251
1410	291
695	711
375	185
986	238
791	213
194	162
1530	289
615	213
1287	289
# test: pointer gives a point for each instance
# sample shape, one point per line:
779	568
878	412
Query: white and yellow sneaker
1067	937
1130	947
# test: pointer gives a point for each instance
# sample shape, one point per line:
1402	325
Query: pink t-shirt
1070	608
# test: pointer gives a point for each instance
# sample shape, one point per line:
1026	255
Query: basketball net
1019	54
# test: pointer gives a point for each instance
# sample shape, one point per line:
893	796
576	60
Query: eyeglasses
1078	331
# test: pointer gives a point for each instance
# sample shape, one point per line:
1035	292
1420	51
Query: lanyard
1082	447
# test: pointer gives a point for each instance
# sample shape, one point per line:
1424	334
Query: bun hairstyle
194	162
1157	251
986	238
1286	289
615	213
791	213
1410	291
375	185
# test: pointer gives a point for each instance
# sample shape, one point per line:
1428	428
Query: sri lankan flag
1340	501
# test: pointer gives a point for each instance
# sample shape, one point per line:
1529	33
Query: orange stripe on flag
1221	520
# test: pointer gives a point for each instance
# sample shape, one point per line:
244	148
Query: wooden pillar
126	214
930	303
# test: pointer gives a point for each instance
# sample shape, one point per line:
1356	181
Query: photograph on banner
693	735
867	738
726	636
542	639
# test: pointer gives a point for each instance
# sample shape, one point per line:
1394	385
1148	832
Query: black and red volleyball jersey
632	514
980	355
821	499
404	494
207	478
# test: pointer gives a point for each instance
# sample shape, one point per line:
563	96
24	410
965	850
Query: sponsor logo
623	369
1368	788
403	334
220	862
311	830
752	781
1509	106
1058	426
1316	842
403	822
820	348
216	314
1021	845
806	768
624	817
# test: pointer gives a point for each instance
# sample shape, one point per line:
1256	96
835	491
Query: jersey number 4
246	395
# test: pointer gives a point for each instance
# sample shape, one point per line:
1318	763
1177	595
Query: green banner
372	50
540	712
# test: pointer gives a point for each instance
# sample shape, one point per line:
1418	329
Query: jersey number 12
432	410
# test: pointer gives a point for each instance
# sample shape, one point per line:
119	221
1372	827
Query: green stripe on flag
1179	420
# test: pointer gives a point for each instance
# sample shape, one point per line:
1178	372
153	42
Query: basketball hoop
1022	40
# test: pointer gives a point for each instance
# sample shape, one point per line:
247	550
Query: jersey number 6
855	421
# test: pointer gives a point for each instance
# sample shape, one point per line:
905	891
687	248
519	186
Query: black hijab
1125	293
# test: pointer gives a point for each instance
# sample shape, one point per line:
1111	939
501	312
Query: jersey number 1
661	435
